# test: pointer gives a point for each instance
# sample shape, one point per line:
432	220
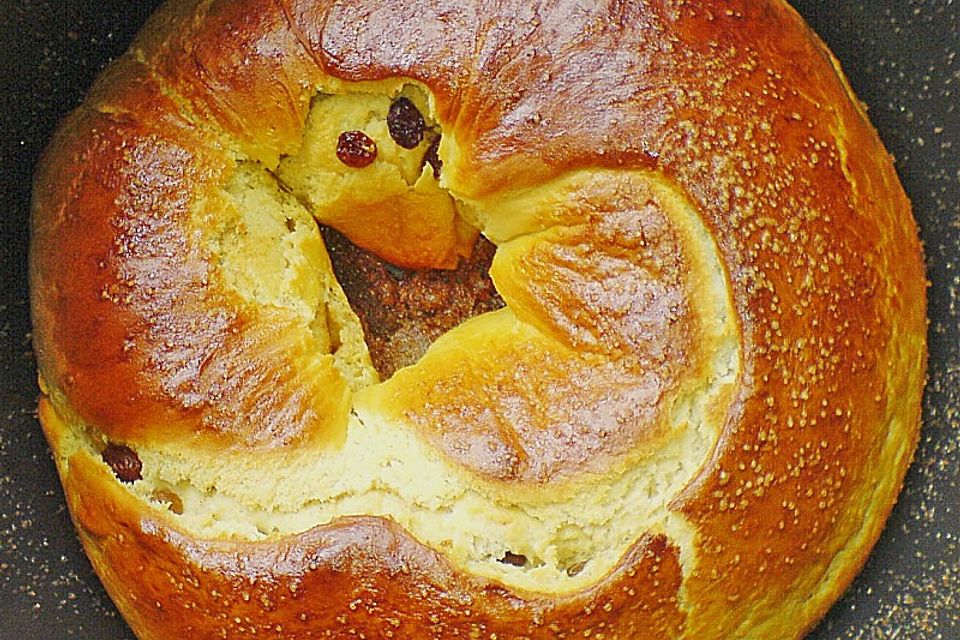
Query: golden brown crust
736	104
609	294
131	326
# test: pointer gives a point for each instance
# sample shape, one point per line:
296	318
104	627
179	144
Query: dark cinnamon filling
402	312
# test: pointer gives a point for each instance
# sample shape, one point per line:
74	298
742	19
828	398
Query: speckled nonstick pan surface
903	58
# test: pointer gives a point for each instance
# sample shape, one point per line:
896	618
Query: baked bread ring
683	408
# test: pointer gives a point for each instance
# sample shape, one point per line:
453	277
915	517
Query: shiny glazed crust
727	133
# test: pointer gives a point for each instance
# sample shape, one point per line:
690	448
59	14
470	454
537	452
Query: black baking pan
903	59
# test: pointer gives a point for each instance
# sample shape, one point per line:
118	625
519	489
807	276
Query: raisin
171	498
405	123
124	462
514	559
356	149
433	159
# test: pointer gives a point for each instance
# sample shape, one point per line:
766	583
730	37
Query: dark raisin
124	462
356	149
514	559
432	158
405	123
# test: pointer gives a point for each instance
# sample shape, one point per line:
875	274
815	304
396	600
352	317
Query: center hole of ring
403	311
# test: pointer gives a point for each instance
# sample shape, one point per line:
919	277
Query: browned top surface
615	336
